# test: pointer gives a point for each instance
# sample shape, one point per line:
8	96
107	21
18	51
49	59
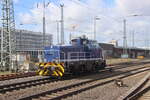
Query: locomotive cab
79	42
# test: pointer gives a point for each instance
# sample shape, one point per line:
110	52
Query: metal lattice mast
7	35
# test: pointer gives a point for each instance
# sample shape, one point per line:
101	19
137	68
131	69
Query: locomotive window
93	44
50	52
96	45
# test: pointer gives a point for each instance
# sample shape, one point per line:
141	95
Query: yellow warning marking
42	64
41	72
46	72
55	73
62	64
61	68
53	64
38	71
47	65
60	74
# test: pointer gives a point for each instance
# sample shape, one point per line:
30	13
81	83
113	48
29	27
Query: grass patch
116	61
6	72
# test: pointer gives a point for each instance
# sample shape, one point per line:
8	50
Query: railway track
145	96
30	74
139	92
63	92
16	86
46	80
16	75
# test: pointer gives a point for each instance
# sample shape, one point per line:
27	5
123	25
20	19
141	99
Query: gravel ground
49	86
5	73
110	91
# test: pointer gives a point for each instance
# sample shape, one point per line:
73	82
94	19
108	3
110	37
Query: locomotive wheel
103	65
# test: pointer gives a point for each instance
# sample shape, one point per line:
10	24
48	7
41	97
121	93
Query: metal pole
94	28
9	44
2	49
62	24
70	36
145	47
95	19
125	38
57	31
133	39
146	44
44	25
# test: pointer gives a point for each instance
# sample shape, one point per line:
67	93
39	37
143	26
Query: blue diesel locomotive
82	55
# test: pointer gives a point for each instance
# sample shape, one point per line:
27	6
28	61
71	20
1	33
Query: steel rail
139	94
16	75
138	90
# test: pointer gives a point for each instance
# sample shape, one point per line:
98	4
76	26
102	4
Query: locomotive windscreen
51	54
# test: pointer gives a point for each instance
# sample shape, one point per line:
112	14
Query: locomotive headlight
52	68
56	60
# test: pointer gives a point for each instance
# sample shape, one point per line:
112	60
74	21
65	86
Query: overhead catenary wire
91	10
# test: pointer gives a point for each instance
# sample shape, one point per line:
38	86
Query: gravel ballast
109	91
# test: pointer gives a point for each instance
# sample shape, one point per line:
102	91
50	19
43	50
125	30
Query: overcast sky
80	13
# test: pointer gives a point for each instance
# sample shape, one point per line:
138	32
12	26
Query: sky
80	15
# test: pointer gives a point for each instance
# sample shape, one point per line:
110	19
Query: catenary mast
8	41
